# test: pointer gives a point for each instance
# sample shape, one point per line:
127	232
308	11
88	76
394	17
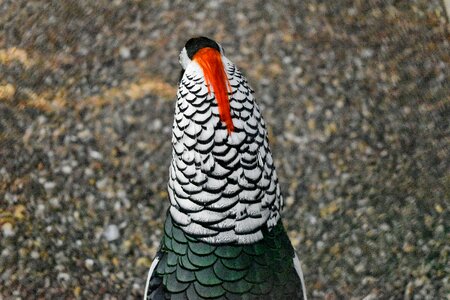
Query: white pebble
89	263
136	287
320	245
124	52
95	155
66	169
157	124
111	233
34	254
54	202
7	229
49	185
101	184
63	277
84	134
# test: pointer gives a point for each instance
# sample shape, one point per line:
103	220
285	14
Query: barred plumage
222	187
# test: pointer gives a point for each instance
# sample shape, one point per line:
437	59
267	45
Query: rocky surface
355	94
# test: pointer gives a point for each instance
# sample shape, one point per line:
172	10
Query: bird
223	237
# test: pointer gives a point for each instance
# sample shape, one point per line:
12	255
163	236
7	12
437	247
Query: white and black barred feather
223	186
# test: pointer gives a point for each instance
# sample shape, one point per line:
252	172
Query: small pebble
66	169
96	155
7	230
49	185
111	233
63	277
125	52
89	263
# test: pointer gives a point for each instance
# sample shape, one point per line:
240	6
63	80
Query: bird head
208	55
195	44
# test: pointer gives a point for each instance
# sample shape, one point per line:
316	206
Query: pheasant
223	236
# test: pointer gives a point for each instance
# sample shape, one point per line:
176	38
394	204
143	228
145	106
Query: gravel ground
355	94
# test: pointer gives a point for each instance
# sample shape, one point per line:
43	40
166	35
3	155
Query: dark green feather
179	248
228	251
175	286
201	261
186	263
258	274
179	235
191	293
242	262
207	277
172	258
263	288
201	248
179	296
238	287
208	291
255	249
167	242
227	274
184	275
168	227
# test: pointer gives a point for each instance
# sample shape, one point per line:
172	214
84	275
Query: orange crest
210	61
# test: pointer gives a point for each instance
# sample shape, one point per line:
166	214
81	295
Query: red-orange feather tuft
210	61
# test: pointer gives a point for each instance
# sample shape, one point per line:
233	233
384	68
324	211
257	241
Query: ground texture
355	94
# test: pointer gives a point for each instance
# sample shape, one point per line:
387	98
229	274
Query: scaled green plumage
192	269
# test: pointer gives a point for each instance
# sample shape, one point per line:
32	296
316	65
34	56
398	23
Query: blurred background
355	95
